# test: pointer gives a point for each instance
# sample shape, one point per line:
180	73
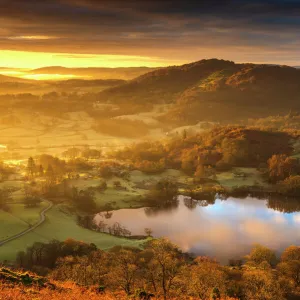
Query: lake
225	229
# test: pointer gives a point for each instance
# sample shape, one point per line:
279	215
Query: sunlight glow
32	60
31	37
50	76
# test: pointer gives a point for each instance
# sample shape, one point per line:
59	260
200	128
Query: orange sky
118	33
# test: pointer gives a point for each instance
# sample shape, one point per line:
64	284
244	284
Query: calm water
226	229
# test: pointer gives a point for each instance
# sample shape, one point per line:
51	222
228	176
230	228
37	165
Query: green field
231	179
61	226
130	195
18	219
138	176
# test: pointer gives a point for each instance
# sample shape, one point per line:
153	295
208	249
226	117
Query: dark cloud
170	28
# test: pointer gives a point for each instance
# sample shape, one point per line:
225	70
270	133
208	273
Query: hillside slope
214	90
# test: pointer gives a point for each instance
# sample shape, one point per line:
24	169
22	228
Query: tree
71	153
105	171
281	166
260	254
117	184
91	153
102	186
205	278
199	172
290	186
289	265
291	253
261	285
166	264
32	201
31	167
124	270
41	171
58	166
50	175
165	190
148	231
235	151
5	197
84	200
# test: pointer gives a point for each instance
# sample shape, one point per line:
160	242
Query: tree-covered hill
213	89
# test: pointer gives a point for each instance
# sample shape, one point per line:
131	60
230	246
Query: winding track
40	222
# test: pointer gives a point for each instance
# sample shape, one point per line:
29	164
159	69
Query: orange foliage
67	291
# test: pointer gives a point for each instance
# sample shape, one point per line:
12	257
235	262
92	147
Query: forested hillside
214	90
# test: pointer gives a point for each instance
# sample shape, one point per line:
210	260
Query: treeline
55	168
221	149
163	270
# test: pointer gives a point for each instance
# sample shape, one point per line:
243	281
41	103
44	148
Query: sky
119	33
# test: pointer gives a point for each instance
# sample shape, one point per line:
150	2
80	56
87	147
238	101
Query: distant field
61	226
11	184
230	179
138	176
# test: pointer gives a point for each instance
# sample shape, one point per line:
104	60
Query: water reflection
168	207
285	205
222	229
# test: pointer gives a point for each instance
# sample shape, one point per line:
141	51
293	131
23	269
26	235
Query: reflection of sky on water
227	229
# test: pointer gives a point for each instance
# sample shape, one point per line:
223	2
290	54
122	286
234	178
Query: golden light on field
50	76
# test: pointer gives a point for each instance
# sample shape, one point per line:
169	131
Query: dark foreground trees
161	269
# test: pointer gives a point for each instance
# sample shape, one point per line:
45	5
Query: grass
132	196
117	198
61	225
120	198
10	225
229	179
18	219
138	176
11	184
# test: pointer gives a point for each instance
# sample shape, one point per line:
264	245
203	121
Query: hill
4	78
213	90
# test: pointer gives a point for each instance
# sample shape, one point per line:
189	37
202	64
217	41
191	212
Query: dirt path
40	222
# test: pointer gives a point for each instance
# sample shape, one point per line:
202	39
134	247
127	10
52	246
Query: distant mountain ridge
213	89
11	85
125	73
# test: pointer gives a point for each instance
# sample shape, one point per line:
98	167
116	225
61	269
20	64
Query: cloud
187	30
31	37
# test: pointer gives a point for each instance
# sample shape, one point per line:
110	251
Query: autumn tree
31	167
204	277
260	254
281	166
289	265
166	265
124	270
261	285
